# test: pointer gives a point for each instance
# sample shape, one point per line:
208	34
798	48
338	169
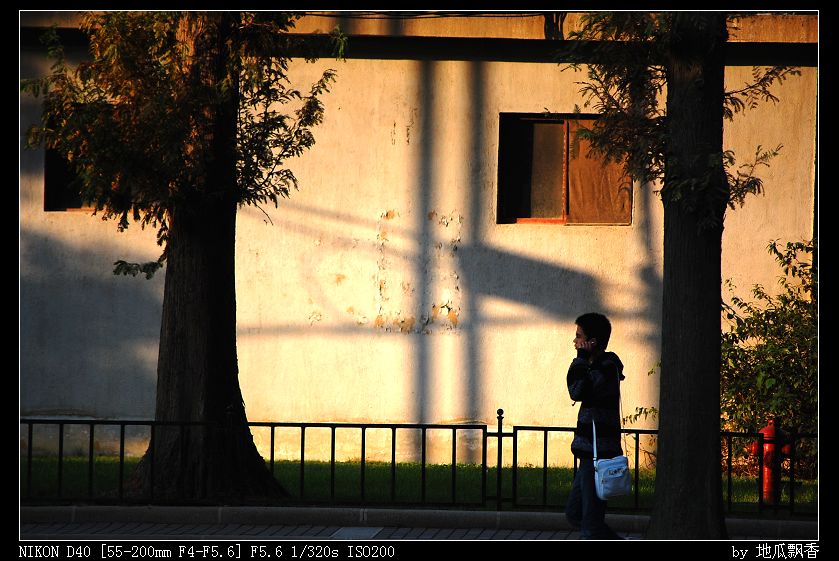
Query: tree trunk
197	373
688	501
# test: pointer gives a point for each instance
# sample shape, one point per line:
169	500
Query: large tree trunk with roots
215	458
198	373
688	500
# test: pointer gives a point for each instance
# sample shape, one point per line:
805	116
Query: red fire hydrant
776	447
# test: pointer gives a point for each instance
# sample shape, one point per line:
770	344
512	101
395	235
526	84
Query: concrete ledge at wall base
73	514
333	516
410	518
773	529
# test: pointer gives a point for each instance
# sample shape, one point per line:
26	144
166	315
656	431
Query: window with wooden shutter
544	176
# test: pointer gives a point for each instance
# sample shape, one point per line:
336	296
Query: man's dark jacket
596	386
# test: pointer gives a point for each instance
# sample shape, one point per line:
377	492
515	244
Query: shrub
770	353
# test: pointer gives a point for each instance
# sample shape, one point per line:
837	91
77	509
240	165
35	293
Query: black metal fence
488	498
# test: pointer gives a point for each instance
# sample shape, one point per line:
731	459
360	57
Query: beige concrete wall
387	292
785	210
780	28
384	291
793	28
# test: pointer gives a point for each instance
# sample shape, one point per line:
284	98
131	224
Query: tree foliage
625	84
770	350
135	121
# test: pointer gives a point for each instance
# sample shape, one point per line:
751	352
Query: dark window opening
60	192
544	176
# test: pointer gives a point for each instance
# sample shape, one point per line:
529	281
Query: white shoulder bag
611	477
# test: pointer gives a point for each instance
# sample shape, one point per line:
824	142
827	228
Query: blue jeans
584	509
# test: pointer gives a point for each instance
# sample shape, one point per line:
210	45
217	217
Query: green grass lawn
378	479
74	477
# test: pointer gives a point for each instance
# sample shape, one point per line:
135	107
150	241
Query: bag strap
594	431
623	434
594	427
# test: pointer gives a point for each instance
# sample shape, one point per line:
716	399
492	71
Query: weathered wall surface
793	28
387	288
786	209
388	293
384	291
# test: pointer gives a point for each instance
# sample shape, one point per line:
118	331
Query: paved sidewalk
329	523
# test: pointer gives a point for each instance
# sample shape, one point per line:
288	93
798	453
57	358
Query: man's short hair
596	326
